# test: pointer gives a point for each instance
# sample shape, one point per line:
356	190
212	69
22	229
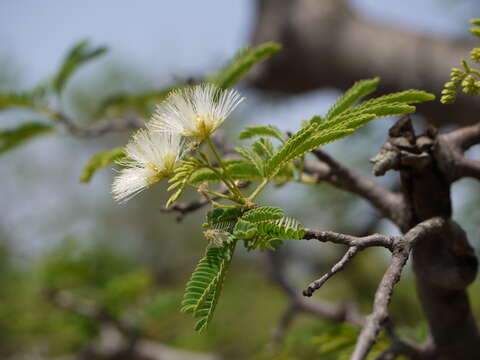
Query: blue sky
171	36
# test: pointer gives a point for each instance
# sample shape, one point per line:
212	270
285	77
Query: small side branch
400	248
186	208
450	150
317	284
467	167
100	128
383	295
376	319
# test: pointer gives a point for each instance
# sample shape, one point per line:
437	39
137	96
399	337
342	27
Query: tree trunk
444	263
326	44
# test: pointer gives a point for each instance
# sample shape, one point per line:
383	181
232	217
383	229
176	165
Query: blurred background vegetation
74	265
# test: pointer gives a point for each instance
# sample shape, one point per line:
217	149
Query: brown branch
333	312
400	248
450	150
468	168
317	284
390	204
100	128
384	292
464	137
185	208
361	243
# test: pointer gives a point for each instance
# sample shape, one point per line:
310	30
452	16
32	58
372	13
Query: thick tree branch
332	312
468	168
400	248
185	208
390	204
464	137
450	148
384	292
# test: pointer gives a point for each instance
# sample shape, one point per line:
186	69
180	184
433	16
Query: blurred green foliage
128	292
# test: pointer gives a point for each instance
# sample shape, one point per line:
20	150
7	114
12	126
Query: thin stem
220	195
258	189
236	196
230	184
222	206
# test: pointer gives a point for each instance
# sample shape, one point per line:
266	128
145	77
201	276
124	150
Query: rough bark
327	44
444	263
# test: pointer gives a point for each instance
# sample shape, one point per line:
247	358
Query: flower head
215	237
152	157
195	111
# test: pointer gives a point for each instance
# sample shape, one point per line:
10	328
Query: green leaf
175	196
12	138
203	289
360	114
244	230
78	55
301	143
27	100
243	170
203	175
358	91
100	160
283	228
253	158
263	130
475	21
411	96
263	213
263	147
223	219
236	169
475	31
242	62
182	175
263	228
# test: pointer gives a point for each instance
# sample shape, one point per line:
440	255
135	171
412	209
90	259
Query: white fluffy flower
152	156
195	111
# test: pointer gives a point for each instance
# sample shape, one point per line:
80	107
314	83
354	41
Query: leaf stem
258	189
230	184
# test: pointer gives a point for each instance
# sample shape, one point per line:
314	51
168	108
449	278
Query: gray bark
326	44
444	263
